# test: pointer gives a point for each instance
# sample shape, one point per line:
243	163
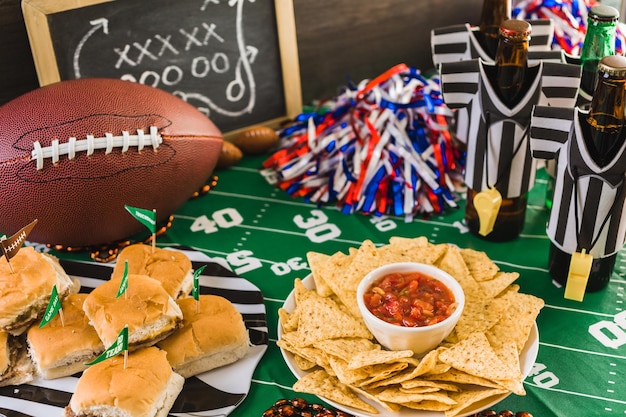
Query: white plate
527	360
214	393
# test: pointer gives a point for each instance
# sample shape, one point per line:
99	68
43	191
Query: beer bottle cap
603	14
515	29
613	65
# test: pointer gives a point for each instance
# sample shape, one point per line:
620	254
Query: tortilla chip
396	396
428	406
345	374
414	242
317	264
335	272
346	348
467	398
424	383
300	292
460	377
325	320
518	321
452	262
411	250
303	363
320	383
371	395
375	357
508	353
365	260
479	316
288	321
480	266
288	342
425	365
498	284
382	372
419	390
475	356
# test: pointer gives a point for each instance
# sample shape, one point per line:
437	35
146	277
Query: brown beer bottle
604	135
511	82
493	13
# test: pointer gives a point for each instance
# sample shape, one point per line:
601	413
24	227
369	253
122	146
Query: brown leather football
74	153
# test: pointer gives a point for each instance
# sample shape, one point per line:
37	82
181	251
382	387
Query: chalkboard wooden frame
36	19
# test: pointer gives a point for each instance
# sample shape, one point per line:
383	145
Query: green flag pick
120	345
196	284
124	282
145	217
54	306
196	287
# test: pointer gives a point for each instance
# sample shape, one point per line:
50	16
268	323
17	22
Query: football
74	153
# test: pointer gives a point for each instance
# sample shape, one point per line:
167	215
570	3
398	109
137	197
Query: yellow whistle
578	275
487	204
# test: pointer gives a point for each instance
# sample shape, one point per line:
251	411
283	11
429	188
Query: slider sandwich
145	307
145	387
25	291
212	336
62	347
15	365
172	268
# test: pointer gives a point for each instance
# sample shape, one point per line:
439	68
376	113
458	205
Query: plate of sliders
486	358
186	355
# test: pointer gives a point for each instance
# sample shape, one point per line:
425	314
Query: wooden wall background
338	40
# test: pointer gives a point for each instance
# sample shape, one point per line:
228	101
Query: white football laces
90	144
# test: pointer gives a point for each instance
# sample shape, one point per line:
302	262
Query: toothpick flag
145	217
54	306
120	345
124	283
196	284
11	246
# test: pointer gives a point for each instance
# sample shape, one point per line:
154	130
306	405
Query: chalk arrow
251	53
97	24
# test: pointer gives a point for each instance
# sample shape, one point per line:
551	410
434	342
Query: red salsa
410	299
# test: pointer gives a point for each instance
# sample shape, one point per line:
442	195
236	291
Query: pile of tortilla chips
478	361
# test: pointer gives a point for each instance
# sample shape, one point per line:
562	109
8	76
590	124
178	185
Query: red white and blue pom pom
570	21
382	147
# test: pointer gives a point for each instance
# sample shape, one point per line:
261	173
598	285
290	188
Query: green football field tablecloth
264	234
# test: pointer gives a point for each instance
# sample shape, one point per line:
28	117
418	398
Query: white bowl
418	339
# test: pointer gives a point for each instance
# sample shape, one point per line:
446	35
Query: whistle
578	275
487	204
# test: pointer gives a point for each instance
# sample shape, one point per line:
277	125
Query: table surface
263	234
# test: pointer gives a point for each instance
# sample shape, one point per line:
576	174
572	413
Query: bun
146	387
15	365
61	348
148	310
172	268
5	358
212	337
25	292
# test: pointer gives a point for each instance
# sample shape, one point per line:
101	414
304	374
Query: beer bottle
494	12
599	42
603	135
551	171
511	64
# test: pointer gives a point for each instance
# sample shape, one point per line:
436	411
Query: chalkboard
235	60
